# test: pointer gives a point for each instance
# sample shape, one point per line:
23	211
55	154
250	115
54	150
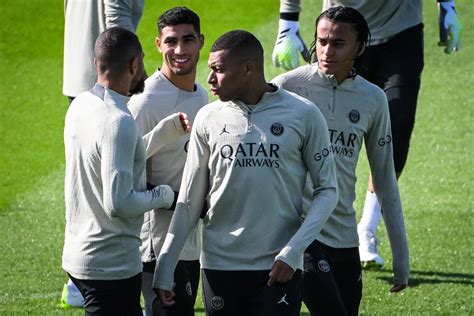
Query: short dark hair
115	48
346	15
240	43
179	15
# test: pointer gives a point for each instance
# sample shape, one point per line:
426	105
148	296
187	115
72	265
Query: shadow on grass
430	277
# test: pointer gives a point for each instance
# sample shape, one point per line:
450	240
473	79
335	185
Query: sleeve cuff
291	257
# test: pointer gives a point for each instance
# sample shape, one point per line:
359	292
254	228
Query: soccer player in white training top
249	156
169	89
357	113
386	62
105	185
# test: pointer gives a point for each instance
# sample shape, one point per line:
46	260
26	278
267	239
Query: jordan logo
283	300
224	130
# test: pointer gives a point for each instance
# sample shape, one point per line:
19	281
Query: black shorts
332	280
186	278
111	297
396	66
235	293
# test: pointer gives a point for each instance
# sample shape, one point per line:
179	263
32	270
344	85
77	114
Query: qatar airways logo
252	155
385	140
342	144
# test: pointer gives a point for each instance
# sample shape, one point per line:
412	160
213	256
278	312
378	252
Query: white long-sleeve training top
84	20
356	112
160	99
105	187
251	167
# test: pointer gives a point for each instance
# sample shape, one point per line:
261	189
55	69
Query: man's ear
249	67
201	40
134	65
360	50
158	43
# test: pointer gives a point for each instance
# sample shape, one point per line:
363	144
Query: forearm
185	218
122	200
323	176
378	144
323	204
386	189
121	156
192	193
167	131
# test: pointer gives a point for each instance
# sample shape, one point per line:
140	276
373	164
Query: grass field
436	187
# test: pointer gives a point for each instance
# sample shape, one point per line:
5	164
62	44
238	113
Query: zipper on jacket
249	121
333	104
248	114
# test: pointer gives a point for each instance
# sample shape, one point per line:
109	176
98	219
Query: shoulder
211	113
370	90
303	109
202	92
296	101
158	91
200	89
301	74
210	109
87	97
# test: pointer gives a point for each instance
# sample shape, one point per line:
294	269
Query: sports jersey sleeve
290	6
141	110
194	187
123	13
119	145
378	143
320	164
167	131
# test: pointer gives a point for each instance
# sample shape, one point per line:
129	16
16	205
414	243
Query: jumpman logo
283	300
224	130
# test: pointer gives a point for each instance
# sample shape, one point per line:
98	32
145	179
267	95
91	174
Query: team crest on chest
217	303
354	116
277	129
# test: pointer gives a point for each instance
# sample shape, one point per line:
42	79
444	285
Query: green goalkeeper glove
287	46
450	27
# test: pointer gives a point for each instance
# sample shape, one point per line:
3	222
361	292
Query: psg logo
354	116
217	303
323	265
277	129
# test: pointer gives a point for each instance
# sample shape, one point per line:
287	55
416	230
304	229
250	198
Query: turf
436	185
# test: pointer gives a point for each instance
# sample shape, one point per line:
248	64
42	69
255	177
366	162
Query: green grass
435	187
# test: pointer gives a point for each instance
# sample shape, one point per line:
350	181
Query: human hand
281	273
450	27
166	297
185	122
165	194
397	288
287	46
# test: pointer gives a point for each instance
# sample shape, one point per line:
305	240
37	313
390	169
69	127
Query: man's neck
121	87
184	82
256	93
